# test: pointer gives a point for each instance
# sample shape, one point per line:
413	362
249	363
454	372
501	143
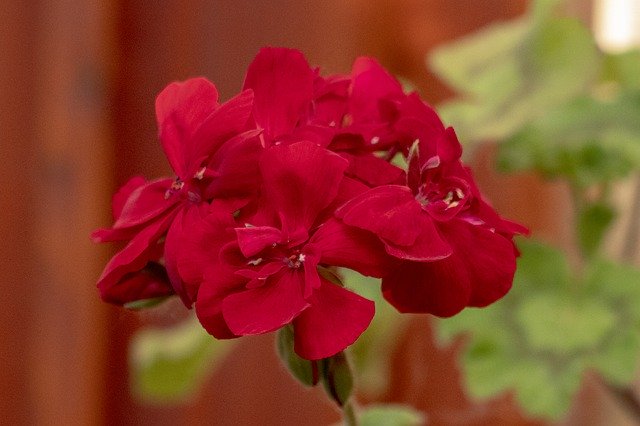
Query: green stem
349	413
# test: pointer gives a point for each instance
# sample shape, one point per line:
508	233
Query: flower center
295	260
189	190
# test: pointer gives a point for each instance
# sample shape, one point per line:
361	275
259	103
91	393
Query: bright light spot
617	24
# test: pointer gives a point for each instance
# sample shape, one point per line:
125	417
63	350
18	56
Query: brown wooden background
78	80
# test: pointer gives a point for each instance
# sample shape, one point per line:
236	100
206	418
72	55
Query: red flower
267	276
456	251
211	151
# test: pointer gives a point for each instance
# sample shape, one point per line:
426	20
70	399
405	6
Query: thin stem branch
630	245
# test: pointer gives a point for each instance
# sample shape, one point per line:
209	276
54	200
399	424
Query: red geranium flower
267	276
456	251
211	150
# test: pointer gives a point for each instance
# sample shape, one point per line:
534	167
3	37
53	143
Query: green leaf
512	73
168	365
137	305
336	376
593	222
391	415
624	69
587	141
477	64
300	368
585	323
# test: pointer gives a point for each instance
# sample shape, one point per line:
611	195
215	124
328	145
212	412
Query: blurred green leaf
624	69
512	73
299	368
593	222
586	141
390	415
584	323
168	365
137	305
554	324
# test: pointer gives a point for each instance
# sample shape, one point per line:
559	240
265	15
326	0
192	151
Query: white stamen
200	173
255	262
375	140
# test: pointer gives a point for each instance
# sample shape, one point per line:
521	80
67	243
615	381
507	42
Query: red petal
219	282
180	109
489	259
266	308
122	195
253	239
222	124
427	247
349	247
441	288
371	82
373	170
200	247
236	167
145	203
335	319
299	181
389	211
172	247
140	250
283	85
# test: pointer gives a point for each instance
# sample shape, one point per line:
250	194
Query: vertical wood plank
72	166
17	24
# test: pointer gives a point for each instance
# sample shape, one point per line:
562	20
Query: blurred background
78	80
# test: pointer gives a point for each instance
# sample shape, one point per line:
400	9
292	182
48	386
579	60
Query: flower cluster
291	178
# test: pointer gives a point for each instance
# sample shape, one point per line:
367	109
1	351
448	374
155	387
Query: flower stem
349	414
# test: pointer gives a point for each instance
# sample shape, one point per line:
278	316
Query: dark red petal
219	282
489	259
283	85
441	288
183	222
236	167
266	308
122	195
349	247
372	170
224	123
428	245
335	319
300	180
180	109
145	203
371	82
141	249
253	239
201	245
389	211
148	283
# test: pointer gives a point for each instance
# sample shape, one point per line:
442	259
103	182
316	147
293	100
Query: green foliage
593	221
514	72
390	415
560	107
169	365
550	328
